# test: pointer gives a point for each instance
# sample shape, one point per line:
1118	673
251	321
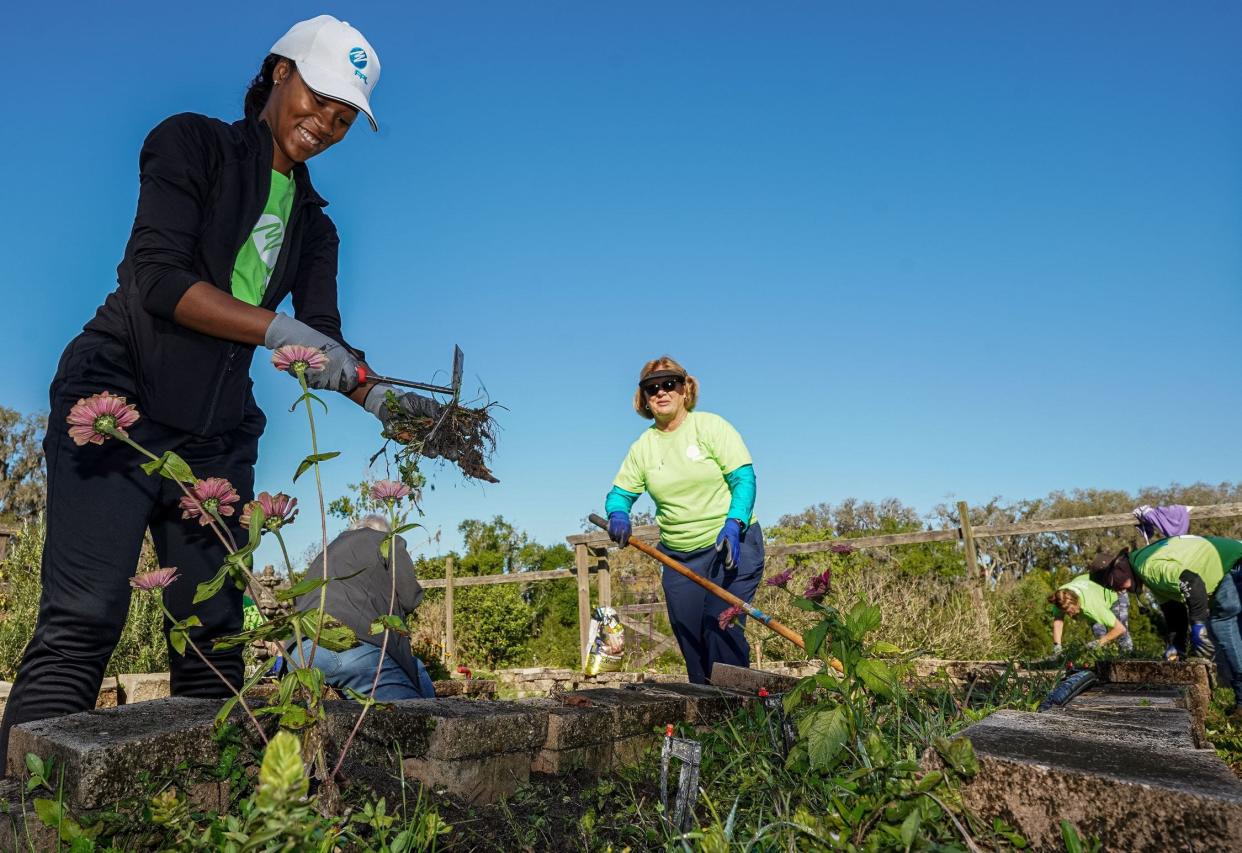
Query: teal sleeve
619	500
742	490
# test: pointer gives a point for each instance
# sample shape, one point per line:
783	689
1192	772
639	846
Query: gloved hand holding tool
730	543
716	590
342	371
619	528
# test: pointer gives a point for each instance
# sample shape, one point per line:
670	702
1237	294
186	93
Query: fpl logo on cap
358	58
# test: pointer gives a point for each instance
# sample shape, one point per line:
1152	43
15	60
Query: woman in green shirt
1084	597
698	472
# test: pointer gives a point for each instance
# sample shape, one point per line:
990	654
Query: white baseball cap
334	59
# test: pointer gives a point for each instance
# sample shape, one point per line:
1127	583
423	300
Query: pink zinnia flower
154	579
781	580
841	548
819	586
296	358
728	617
214	493
93	419
389	490
278	510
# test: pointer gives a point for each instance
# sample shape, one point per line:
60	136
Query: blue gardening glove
730	542
1201	645
619	527
341	372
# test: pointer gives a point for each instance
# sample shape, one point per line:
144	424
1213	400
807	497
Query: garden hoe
716	590
453	388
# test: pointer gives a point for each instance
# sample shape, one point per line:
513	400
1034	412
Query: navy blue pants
99	505
694	612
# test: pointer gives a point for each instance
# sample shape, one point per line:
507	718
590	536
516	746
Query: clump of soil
466	436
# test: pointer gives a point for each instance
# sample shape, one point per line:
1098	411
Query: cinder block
632	750
750	681
144	686
1135	790
104	752
635	713
705	703
596	758
478	781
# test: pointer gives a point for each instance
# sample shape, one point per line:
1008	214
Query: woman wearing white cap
228	224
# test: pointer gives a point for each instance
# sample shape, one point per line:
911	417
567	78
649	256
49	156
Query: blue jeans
1226	607
694	613
355	669
1121	609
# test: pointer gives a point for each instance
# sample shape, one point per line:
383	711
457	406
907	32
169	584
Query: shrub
142	647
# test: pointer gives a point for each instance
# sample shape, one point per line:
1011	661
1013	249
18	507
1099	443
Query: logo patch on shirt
695	453
268	236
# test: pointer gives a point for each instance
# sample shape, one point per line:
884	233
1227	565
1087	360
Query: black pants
99	504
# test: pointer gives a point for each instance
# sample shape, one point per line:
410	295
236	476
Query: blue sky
909	249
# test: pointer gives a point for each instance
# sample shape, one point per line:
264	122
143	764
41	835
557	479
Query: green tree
23	480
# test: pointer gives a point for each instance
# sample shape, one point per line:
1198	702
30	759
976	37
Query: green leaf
862	619
384	547
882	648
333	636
910	828
172	466
308	396
295	717
50	812
804	603
958	753
1069	835
300	588
814	638
406	528
877	676
180	633
313	459
282	776
390	622
222	715
208	589
930	781
35	765
826	732
257	517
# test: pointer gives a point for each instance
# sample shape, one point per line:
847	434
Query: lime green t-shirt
683	471
1094	601
1161	563
257	259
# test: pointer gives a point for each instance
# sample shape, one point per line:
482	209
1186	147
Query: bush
142	648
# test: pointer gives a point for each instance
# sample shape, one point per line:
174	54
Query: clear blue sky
919	250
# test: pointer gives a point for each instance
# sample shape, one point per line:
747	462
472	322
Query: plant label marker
690	754
780	729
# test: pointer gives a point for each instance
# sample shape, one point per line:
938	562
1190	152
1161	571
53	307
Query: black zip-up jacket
204	184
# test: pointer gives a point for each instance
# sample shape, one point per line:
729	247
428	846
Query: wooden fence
591	558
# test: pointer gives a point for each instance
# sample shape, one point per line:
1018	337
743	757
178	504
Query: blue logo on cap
358	57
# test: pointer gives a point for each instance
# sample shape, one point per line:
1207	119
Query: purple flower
214	493
389	491
819	586
278	510
296	358
728	617
842	548
154	579
782	580
94	419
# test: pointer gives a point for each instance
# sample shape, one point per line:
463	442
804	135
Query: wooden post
603	575
583	565
450	642
968	539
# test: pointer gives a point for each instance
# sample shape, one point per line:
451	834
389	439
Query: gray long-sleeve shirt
360	600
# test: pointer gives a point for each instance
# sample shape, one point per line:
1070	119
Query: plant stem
240	698
297	631
323	516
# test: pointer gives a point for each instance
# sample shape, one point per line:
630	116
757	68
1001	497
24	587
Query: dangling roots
462	435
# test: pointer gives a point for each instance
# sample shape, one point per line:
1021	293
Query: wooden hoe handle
718	591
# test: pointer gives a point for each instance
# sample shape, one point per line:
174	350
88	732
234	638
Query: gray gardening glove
341	372
413	405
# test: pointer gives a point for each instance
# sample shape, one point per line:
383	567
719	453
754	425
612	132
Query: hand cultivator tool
453	388
716	590
690	754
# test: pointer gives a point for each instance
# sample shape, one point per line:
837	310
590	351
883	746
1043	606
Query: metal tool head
459	359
